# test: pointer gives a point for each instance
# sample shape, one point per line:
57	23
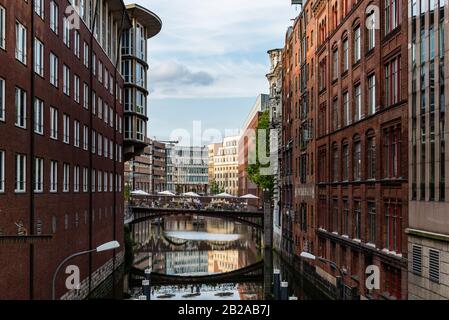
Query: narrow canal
191	246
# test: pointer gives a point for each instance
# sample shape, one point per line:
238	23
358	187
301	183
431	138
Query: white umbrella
166	193
249	196
191	194
139	193
224	195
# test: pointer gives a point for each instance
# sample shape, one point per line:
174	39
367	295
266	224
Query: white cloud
214	48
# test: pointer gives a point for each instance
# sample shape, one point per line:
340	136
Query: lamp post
307	255
104	247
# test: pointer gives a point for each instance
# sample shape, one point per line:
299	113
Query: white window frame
66	80
85	179
86	55
357	44
2	27
39	8
38	175
54	64
86	138
76	43
76	179
2	99
39	57
86	96
66	31
38	116
66	177
21	108
66	128
2	171
20	176
76	88
54	16
53	176
21	43
76	134
53	123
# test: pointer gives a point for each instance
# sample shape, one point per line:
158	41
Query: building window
357	102
391	15
94	139
100	180
66	177
2	171
53	123
53	69
21	108
76	134
2	27
334	221
346	115
345	55
38	175
371	157
53	176
38	57
392	150
371	24
434	265
76	179
393	224
85	179
335	64
86	96
20	185
85	138
76	43
345	217
86	55
21	43
372	94
76	88
93	176
66	80
66	128
322	74
357	45
372	222
417	259
357	161
335	112
2	99
357	220
38	116
66	32
54	16
335	163
392	82
345	162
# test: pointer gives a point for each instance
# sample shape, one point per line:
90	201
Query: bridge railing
201	203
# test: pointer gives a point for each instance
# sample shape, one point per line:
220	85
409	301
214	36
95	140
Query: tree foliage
253	170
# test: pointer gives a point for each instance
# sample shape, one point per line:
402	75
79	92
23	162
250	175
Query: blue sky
209	61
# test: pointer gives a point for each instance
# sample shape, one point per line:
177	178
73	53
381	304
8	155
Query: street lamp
104	247
308	255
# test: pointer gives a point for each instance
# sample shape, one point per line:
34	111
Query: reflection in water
196	246
192	246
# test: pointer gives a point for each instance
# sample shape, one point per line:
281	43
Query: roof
147	18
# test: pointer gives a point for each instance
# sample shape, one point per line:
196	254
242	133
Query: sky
208	63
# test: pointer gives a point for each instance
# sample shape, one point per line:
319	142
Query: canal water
186	246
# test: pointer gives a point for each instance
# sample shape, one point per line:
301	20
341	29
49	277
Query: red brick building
61	143
356	80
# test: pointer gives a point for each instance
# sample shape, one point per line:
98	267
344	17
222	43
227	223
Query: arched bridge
140	214
249	274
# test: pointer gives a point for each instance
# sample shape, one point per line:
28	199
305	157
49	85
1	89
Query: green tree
215	188
253	170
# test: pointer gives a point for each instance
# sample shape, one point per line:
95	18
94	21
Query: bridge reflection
249	274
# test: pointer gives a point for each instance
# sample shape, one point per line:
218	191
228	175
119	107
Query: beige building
223	165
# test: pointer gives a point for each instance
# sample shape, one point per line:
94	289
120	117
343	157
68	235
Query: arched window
356	159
